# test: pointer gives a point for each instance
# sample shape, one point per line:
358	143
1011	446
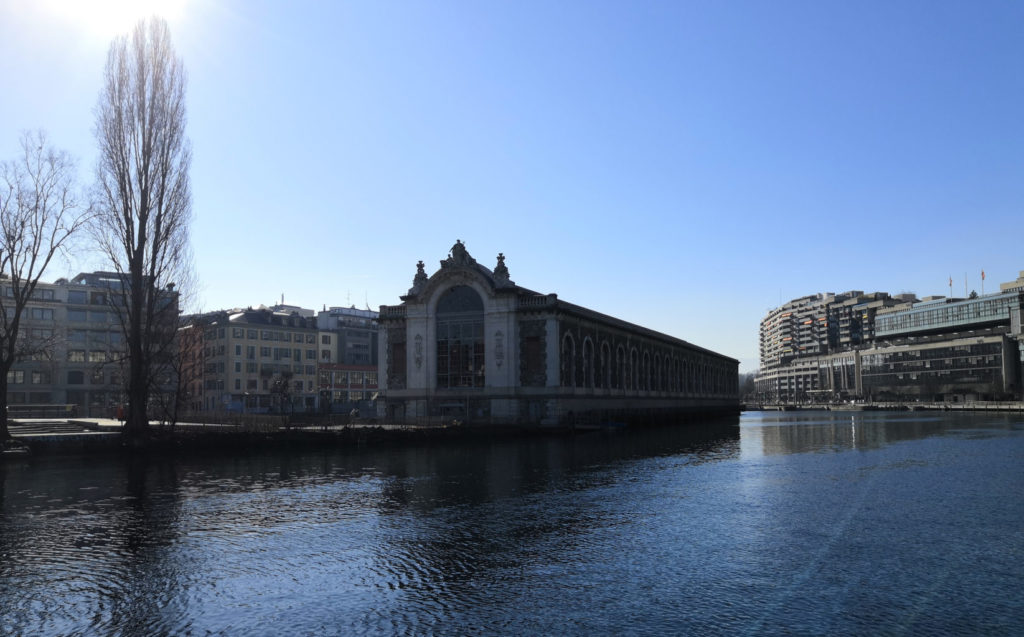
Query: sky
682	165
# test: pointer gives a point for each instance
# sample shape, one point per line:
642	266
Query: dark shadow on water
84	539
112	544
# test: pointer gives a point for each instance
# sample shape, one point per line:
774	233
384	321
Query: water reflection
771	433
156	546
801	523
81	538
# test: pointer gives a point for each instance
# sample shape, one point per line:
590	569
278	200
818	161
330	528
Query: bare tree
144	201
40	212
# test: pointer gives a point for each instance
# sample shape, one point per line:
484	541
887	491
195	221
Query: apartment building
269	359
253	360
886	347
795	335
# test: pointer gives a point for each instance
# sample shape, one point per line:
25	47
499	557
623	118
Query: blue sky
681	165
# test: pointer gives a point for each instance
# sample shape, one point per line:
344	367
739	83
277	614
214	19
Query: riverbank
1010	406
51	436
46	436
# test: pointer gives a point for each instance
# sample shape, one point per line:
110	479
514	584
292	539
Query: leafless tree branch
40	213
144	201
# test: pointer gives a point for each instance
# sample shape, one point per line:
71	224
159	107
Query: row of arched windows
633	369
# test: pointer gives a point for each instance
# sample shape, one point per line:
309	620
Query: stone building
469	344
251	360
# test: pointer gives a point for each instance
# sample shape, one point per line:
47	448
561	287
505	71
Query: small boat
15	451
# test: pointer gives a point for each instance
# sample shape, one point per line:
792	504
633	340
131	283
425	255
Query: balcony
392	311
536	302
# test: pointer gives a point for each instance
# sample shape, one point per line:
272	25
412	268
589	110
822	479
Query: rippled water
797	523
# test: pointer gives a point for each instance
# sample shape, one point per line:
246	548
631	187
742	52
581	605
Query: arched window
604	377
620	368
460	338
568	361
588	362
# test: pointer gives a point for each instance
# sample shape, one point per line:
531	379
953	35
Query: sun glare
108	18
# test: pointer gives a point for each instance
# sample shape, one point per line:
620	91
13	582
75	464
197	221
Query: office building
79	365
898	348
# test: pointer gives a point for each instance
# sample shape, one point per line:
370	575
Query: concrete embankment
904	406
90	435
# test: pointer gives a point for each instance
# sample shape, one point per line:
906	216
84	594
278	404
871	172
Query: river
839	523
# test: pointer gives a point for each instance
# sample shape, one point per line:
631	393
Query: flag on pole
982	275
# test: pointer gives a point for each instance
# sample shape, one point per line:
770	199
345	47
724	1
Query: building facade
79	354
254	361
354	332
468	344
269	360
897	349
345	387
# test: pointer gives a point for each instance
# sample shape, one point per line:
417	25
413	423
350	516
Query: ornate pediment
458	256
459	268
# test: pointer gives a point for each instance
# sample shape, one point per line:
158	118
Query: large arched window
568	361
659	375
605	377
633	383
620	368
460	338
588	363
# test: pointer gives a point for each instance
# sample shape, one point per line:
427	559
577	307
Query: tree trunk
137	423
5	432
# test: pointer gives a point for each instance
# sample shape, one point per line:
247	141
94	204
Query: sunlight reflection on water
807	523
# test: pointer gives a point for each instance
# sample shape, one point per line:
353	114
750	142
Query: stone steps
39	426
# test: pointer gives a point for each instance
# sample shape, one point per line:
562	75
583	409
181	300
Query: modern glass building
947	315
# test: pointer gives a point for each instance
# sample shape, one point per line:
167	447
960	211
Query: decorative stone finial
419	280
501	272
